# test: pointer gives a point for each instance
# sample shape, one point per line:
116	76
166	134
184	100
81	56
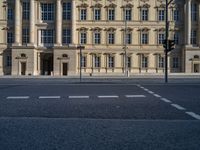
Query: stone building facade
40	37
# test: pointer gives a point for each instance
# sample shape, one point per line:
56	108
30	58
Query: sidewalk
111	76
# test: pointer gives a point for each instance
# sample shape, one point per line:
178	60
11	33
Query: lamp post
80	47
125	45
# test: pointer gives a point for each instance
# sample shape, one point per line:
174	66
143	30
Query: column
17	22
32	21
189	20
73	24
58	23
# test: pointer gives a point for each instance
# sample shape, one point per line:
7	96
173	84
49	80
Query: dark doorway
47	63
196	68
23	68
65	69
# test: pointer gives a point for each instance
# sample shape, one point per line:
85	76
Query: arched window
64	55
23	55
196	56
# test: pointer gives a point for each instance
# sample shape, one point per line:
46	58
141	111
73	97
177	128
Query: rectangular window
83	14
66	11
10	14
111	38
83	61
97	61
161	38
145	38
128	38
47	36
161	62
129	62
26	10
161	15
47	11
10	38
111	14
97	14
194	12
83	38
25	35
193	37
128	14
145	15
66	36
176	15
8	61
175	62
97	38
144	61
111	61
176	38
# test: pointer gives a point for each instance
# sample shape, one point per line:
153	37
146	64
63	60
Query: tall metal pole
125	45
80	47
167	44
80	63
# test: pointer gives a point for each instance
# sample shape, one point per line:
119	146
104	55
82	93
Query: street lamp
80	47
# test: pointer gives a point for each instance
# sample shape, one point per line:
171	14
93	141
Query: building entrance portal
65	69
23	68
196	68
47	63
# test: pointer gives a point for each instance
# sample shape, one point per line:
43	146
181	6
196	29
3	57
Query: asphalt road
99	114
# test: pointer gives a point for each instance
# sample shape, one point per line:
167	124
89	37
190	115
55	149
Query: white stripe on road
178	106
194	115
49	97
18	97
108	96
131	96
165	100
156	95
77	97
150	92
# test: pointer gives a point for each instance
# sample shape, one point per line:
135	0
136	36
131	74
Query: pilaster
58	23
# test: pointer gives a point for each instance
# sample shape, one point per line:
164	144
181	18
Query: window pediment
98	5
111	6
84	5
144	6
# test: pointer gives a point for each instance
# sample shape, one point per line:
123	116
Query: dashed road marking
18	97
156	95
108	96
165	100
194	115
134	96
49	97
150	92
178	106
78	97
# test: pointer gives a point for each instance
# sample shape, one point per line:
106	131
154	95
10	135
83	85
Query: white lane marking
156	95
194	115
18	97
165	100
49	97
108	96
178	106
150	92
77	97
131	96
